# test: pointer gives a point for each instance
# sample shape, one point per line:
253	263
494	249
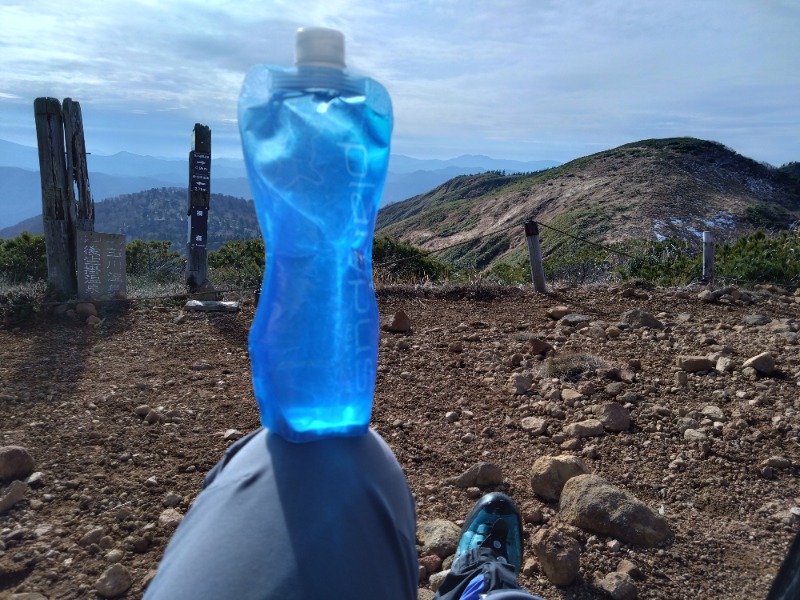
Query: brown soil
68	393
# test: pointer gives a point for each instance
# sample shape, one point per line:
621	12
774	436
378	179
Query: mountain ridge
125	172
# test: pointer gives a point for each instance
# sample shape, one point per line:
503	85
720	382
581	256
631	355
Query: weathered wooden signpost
199	201
535	253
62	170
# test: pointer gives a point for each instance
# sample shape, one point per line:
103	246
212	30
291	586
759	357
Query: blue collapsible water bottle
316	145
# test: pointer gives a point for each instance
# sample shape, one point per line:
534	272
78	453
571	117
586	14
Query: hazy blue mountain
126	173
405	164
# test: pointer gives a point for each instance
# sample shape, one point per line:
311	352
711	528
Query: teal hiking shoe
494	523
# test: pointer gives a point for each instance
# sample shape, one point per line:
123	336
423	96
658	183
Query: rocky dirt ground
715	451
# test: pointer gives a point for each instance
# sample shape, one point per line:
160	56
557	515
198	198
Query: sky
511	79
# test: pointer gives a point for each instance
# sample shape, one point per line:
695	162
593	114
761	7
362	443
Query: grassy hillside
646	190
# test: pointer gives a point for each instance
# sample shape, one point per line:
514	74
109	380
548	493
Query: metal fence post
535	253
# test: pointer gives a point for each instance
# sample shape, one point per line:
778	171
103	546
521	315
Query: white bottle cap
319	46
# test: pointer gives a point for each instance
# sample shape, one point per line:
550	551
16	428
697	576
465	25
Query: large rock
593	504
439	537
15	462
558	554
482	474
637	319
764	363
399	323
550	473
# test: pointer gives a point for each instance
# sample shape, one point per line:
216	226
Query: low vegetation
155	269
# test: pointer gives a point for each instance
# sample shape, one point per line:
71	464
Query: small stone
232	434
550	473
681	379
538	346
756	320
438	536
694	435
452	416
519	383
558	312
619	586
455	347
467	438
571	395
85	310
614	416
436	579
778	462
630	568
170	517
559	555
693	364
152	417
171	500
587	428
115	581
35	480
92	537
574	320
93	321
115	556
713	412
13	494
639	318
724	364
15	462
534	425
399	323
482	474
142	410
764	363
431	563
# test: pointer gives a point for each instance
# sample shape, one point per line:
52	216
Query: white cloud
551	76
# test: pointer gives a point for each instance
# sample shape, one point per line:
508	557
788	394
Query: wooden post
535	253
58	212
708	257
77	169
199	201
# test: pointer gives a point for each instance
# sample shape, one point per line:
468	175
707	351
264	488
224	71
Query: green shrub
761	259
19	304
239	263
23	258
665	262
154	259
395	261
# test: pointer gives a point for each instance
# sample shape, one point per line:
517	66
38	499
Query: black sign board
198	227
199	172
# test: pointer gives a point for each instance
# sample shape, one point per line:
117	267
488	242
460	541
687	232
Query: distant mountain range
651	189
126	173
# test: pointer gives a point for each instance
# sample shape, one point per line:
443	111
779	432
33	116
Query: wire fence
503	230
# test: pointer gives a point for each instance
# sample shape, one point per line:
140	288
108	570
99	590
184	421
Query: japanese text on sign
101	264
